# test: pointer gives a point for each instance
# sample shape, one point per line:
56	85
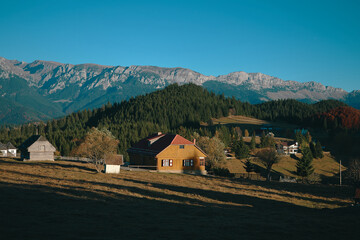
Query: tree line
175	109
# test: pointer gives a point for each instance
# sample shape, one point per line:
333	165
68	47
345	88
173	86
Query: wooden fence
143	167
76	159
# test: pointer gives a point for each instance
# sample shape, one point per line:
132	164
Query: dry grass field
243	120
67	200
239	120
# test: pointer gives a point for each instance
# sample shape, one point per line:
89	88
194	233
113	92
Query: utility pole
340	171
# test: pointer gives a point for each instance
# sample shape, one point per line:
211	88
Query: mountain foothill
43	90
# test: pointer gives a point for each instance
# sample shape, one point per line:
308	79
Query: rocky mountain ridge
74	87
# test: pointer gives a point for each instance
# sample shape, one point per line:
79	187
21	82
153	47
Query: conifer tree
299	137
262	139
304	166
253	141
313	150
319	150
308	137
325	124
241	149
249	166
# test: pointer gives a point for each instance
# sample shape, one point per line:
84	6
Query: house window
42	148
188	162
167	162
182	146
202	161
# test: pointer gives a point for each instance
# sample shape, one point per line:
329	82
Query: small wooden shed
37	148
113	162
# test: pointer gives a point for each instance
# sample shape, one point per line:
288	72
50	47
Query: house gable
177	157
41	146
174	151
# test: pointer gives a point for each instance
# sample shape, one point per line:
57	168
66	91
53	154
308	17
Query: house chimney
194	141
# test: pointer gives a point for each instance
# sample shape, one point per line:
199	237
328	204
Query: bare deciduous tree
96	145
353	172
268	157
213	147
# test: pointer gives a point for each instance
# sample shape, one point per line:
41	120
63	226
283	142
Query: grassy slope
325	167
63	200
244	121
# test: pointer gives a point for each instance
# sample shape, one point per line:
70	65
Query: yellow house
168	153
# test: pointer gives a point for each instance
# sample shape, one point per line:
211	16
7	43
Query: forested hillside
21	103
174	109
293	111
341	117
43	90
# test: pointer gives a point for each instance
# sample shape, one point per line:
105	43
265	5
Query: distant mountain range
43	89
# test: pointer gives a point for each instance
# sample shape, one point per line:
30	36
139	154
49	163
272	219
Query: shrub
221	171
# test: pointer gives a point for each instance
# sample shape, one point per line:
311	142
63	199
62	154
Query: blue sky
293	40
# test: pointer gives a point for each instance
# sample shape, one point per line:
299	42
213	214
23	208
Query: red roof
287	144
180	140
154	144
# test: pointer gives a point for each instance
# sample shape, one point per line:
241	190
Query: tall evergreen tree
313	150
253	141
325	123
241	149
319	150
249	166
304	166
262	139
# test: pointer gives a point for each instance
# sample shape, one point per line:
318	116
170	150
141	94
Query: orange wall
178	155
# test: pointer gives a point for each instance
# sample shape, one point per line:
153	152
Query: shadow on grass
56	213
293	156
223	198
85	209
312	199
341	192
49	164
230	197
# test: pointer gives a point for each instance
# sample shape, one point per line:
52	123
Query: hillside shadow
13	160
73	213
293	196
342	192
226	197
68	166
47	164
293	156
135	209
